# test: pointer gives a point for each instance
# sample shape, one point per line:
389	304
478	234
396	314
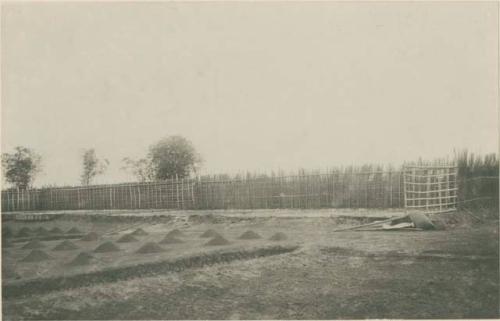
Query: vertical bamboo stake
182	193
390	189
440	193
130	196
249	197
110	197
192	192
455	185
404	187
28	199
156	194
177	189
139	196
366	189
446	187
428	193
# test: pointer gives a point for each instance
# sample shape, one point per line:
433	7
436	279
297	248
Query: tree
21	167
92	166
171	157
141	169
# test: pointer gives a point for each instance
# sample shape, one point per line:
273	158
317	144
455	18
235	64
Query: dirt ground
450	273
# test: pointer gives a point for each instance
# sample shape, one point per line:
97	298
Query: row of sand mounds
38	256
40	231
248	235
35	287
150	247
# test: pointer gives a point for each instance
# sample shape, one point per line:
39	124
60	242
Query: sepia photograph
249	160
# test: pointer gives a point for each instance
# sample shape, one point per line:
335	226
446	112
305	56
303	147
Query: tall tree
92	166
171	157
21	167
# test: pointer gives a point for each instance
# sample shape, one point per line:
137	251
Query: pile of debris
415	221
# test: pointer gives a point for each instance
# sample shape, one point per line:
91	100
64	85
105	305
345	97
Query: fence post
177	189
404	186
110	197
139	196
28	199
193	182
182	193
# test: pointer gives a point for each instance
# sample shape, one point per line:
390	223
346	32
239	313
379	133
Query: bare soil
449	273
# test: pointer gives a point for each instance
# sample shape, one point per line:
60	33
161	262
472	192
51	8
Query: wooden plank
369	224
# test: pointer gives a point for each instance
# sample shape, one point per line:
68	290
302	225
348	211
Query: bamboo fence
337	189
376	189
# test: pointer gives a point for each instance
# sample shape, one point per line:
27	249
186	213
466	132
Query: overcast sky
254	86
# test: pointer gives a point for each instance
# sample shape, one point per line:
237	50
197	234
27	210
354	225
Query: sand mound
210	233
217	240
36	256
169	239
35	244
150	247
65	246
249	235
278	237
42	231
24	232
175	233
56	230
83	258
127	238
139	232
92	236
73	230
107	247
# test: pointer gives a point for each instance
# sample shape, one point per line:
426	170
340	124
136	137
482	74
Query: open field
314	273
